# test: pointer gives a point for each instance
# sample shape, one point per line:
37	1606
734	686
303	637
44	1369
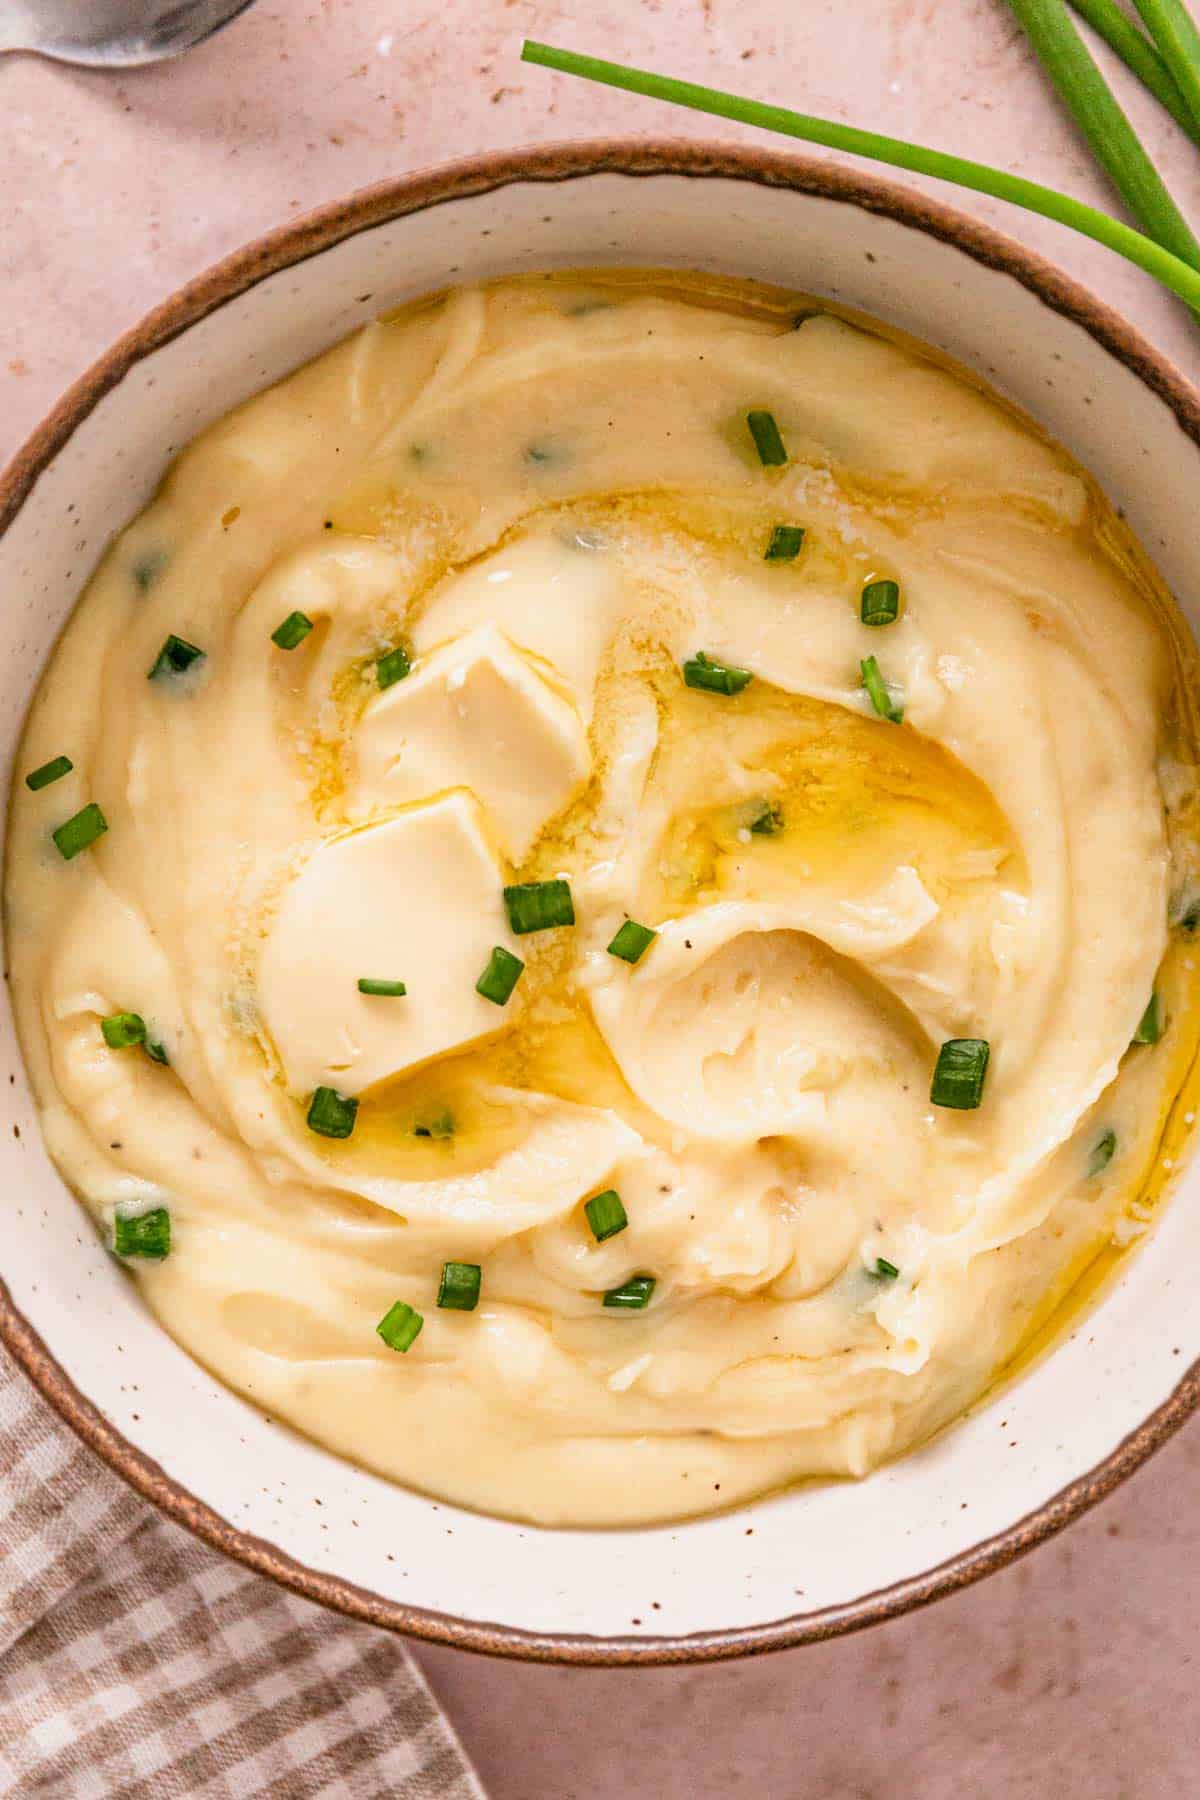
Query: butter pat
355	910
475	715
554	595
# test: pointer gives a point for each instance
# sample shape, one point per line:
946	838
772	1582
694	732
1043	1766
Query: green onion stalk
1138	54
1164	265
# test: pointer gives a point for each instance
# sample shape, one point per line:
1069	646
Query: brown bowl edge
225	281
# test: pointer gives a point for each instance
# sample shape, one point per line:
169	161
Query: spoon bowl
113	34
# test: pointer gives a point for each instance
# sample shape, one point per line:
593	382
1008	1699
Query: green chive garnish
440	1127
880	603
767	820
1174	32
539	906
176	656
632	941
633	1294
1102	1152
331	1114
393	666
500	977
607	1216
80	830
458	1289
143	1234
1153	1022
392	990
123	1029
294	629
54	770
400	1326
878	692
958	1077
1138	54
767	440
702	671
785	544
884	1270
1099	117
1171	270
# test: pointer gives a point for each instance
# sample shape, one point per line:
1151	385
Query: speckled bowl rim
227	280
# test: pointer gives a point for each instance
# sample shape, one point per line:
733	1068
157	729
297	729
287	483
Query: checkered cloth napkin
136	1662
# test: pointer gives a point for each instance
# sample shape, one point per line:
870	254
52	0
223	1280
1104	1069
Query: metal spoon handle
112	33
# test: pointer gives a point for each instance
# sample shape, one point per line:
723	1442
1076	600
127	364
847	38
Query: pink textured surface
1070	1675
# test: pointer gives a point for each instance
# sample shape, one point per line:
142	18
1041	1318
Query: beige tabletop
1074	1673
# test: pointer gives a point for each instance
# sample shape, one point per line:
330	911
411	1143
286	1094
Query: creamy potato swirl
545	491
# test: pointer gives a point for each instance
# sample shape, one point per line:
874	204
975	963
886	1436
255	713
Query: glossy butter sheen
547	490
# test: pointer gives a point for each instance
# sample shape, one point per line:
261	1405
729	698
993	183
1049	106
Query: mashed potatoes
603	738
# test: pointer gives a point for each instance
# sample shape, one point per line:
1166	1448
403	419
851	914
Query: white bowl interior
794	1553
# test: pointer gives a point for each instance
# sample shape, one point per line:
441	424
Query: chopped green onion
702	671
1152	1023
785	544
767	820
121	1030
440	1127
767	440
458	1289
331	1114
294	629
1102	1152
632	941
392	990
400	1326
879	693
880	604
606	1216
501	976
174	658
1172	271
54	770
1113	141
143	1234
539	906
82	829
958	1077
393	666
884	1270
633	1294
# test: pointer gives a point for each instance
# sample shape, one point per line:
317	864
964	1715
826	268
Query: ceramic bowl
797	1566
